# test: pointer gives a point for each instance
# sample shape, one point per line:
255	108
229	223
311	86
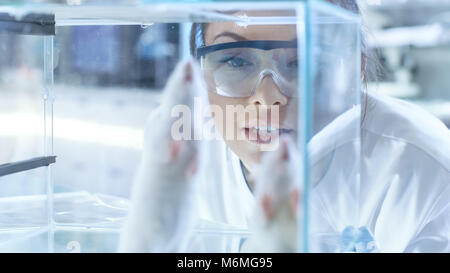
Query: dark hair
370	65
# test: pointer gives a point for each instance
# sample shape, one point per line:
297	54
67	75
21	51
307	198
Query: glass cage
79	79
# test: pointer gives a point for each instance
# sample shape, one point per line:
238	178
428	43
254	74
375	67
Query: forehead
251	32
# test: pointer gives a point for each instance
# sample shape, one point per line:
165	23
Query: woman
395	199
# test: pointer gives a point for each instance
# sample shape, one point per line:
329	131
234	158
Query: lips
264	135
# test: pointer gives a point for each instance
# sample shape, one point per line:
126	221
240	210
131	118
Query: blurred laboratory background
412	41
105	84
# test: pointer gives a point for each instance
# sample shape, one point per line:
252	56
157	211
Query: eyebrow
232	35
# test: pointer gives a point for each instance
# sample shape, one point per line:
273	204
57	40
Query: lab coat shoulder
402	121
406	171
404	192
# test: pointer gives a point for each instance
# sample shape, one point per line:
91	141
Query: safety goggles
236	69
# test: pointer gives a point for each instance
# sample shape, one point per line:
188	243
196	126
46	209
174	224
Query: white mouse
162	212
274	225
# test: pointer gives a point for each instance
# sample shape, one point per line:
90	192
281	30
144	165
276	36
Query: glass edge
200	9
335	10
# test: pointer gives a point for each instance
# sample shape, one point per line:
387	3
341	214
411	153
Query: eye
292	64
236	62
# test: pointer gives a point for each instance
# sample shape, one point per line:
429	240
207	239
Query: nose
268	93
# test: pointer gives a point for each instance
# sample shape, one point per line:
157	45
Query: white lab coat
399	189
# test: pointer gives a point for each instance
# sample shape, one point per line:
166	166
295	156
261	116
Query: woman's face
267	94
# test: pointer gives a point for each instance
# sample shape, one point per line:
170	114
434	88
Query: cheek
220	102
218	105
289	113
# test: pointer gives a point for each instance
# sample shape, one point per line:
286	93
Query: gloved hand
162	212
274	226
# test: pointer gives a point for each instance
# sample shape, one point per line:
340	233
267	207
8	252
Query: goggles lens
236	69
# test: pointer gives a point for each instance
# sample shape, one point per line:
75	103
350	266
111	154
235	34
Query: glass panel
109	77
23	212
21	111
334	131
24	134
254	72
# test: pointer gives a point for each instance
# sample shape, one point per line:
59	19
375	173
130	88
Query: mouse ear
188	72
183	86
174	150
194	76
284	149
266	205
192	168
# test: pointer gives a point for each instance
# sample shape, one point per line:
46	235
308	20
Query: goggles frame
258	44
